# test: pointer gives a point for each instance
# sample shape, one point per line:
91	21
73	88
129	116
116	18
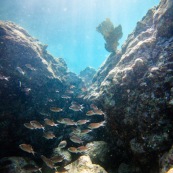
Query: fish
80	96
62	170
57	159
29	126
68	121
31	168
49	122
27	147
76	139
36	125
70	92
85	131
20	70
65	97
96	125
72	150
48	162
84	89
81	122
72	86
62	144
82	149
94	107
49	135
30	67
90	113
76	131
4	77
99	112
76	107
55	109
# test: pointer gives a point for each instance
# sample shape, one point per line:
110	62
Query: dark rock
31	81
135	89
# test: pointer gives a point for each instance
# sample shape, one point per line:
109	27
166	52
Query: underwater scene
86	86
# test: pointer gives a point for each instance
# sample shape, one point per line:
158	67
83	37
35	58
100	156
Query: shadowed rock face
31	81
135	87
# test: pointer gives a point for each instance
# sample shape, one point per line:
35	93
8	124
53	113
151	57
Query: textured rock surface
87	75
135	88
14	164
98	152
31	81
84	165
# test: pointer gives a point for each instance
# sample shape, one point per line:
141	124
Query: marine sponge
111	34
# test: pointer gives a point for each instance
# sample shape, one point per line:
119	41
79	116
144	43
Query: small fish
36	125
48	162
62	144
57	159
4	78
72	86
85	131
90	113
49	122
62	170
27	147
82	149
76	139
70	92
65	97
84	89
72	150
68	121
96	125
94	107
44	114
30	67
81	122
76	131
20	70
99	112
31	168
49	135
80	96
29	126
27	91
76	107
55	109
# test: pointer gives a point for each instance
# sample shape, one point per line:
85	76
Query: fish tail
34	153
40	170
103	123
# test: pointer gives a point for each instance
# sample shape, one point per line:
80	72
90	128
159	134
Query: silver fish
62	144
36	125
76	139
27	147
48	162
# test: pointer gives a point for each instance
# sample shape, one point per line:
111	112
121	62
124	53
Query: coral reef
111	34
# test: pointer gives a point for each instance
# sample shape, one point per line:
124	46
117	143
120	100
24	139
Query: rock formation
135	87
87	75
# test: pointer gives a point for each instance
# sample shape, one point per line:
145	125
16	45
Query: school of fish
79	128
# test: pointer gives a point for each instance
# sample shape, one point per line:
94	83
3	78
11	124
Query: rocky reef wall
135	88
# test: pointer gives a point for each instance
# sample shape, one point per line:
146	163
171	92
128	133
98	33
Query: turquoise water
69	26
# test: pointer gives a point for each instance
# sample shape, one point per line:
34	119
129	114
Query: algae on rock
111	34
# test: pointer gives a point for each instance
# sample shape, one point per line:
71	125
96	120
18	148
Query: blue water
69	26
